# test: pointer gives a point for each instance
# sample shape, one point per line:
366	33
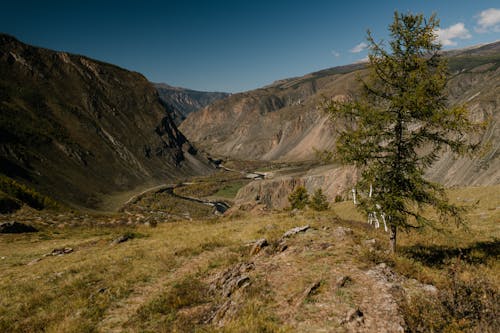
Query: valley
164	209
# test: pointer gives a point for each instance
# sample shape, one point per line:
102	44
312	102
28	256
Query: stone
294	231
232	279
369	242
342	232
15	227
258	245
312	289
282	246
343	281
121	239
353	315
60	251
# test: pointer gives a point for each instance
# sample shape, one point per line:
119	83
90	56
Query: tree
319	201
397	126
299	198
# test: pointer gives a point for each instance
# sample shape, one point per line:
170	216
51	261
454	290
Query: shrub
319	201
299	198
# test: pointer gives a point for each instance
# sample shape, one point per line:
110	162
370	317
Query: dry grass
157	281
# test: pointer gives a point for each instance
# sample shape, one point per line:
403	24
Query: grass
159	280
462	262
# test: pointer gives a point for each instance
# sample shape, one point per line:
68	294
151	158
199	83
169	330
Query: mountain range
182	101
282	122
81	130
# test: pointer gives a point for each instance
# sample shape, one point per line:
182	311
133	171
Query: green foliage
299	198
319	201
400	123
12	194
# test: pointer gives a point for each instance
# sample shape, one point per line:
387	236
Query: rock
429	288
342	232
282	246
121	239
60	251
294	231
312	289
353	316
259	245
15	228
232	279
34	261
343	281
369	242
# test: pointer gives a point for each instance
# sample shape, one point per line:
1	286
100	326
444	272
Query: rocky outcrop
273	193
78	129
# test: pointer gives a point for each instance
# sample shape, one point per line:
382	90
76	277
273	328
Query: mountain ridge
77	128
282	122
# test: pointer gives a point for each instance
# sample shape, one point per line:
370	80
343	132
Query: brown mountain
282	122
183	101
79	129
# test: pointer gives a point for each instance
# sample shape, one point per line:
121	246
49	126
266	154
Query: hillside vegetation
209	275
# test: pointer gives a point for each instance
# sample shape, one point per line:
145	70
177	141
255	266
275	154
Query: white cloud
335	54
488	20
447	36
362	60
358	48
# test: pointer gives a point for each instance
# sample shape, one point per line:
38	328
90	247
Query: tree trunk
392	238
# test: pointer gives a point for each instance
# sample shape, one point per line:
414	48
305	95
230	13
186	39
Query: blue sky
232	45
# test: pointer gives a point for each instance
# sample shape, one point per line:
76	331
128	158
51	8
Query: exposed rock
312	289
60	251
121	239
353	316
343	281
227	282
183	101
258	245
294	231
282	122
369	242
282	246
15	227
342	232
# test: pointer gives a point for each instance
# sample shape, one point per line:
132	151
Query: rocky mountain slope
282	122
77	129
183	101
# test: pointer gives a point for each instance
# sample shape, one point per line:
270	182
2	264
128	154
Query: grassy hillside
200	275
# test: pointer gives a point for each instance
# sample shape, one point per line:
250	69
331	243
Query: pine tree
319	201
299	198
400	123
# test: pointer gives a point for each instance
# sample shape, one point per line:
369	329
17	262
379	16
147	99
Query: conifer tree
299	198
400	123
319	201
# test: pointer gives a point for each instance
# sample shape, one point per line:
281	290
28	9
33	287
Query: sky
234	45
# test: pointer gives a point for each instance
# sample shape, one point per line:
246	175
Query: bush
319	201
466	303
299	198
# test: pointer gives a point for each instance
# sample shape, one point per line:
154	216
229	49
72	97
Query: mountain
80	129
184	101
282	121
